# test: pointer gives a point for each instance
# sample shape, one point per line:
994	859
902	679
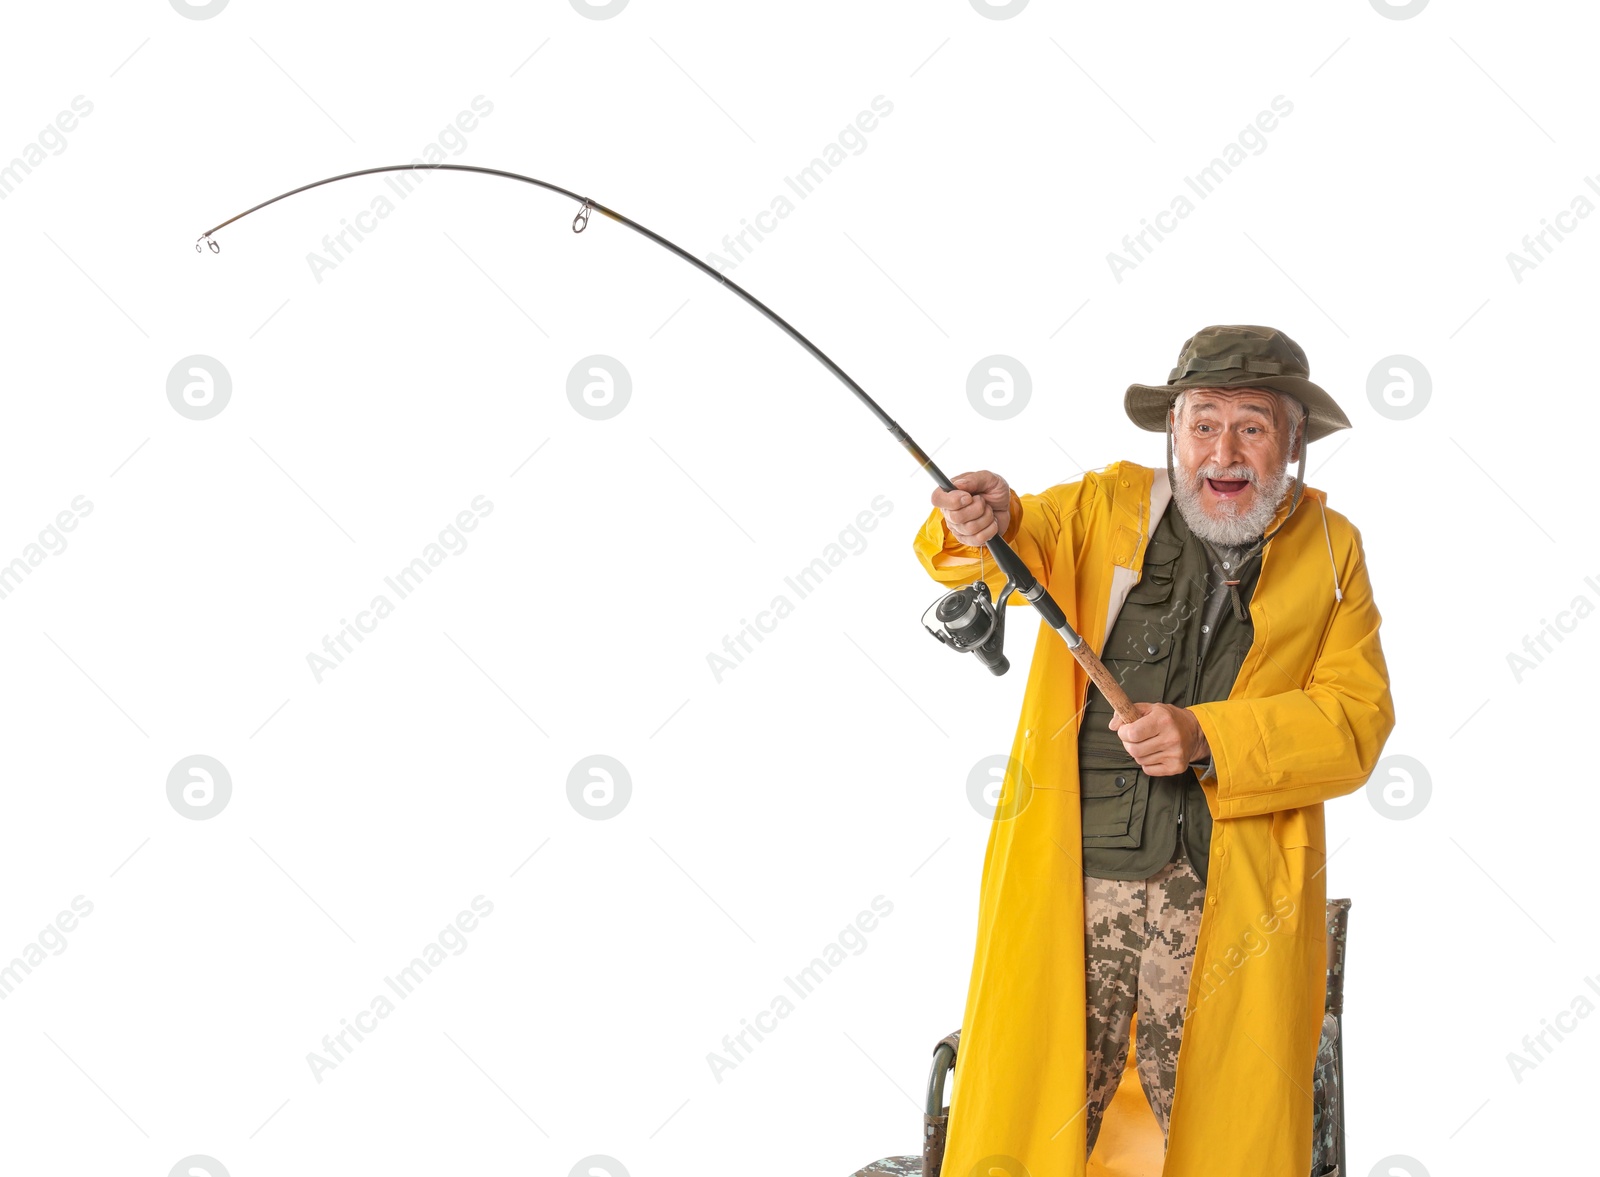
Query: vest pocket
1108	797
1142	645
1157	573
1114	793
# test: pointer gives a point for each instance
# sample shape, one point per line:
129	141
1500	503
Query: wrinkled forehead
1261	402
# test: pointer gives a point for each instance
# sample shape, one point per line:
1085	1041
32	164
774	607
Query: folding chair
1134	1157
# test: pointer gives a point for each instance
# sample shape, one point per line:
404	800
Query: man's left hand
1164	740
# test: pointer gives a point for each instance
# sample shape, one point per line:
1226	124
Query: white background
767	809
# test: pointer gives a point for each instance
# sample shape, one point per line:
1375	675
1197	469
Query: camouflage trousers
1139	938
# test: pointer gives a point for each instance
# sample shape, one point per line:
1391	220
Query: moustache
1230	474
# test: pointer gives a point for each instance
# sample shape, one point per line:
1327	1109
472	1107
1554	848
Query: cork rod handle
1109	687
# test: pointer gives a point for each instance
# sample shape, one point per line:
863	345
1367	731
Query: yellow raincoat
1306	721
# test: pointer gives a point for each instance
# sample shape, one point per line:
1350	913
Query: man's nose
1225	450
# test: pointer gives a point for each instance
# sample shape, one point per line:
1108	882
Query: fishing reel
969	623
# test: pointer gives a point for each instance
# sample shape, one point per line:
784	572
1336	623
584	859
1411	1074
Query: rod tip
206	238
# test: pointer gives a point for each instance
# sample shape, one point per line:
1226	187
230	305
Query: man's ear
1299	438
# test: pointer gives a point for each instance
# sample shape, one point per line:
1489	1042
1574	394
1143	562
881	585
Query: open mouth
1227	488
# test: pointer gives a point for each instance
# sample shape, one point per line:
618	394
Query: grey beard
1233	529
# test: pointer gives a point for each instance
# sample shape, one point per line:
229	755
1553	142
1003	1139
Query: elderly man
1190	840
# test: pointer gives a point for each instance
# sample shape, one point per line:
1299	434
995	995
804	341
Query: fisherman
1171	866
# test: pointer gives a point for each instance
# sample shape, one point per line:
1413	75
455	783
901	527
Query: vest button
1211	898
1121	780
1150	649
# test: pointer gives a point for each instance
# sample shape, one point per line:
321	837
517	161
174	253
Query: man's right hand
978	509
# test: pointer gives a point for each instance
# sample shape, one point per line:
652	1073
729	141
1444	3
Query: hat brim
1147	405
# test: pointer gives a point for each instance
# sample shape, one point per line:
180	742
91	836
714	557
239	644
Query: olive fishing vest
1180	638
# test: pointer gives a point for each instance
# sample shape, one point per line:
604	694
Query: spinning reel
969	623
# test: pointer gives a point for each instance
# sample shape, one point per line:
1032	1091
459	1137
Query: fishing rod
966	620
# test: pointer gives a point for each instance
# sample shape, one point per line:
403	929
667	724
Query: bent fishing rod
966	620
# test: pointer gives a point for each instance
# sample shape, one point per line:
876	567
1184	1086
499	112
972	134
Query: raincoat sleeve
1306	746
1033	531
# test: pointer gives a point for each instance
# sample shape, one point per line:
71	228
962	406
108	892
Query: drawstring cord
1238	605
1338	593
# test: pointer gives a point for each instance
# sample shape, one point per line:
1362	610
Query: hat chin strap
1299	480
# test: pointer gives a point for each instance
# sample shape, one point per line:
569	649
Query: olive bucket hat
1242	357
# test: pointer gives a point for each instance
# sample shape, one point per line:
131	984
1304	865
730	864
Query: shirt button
1205	629
1211	898
1124	482
1026	732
